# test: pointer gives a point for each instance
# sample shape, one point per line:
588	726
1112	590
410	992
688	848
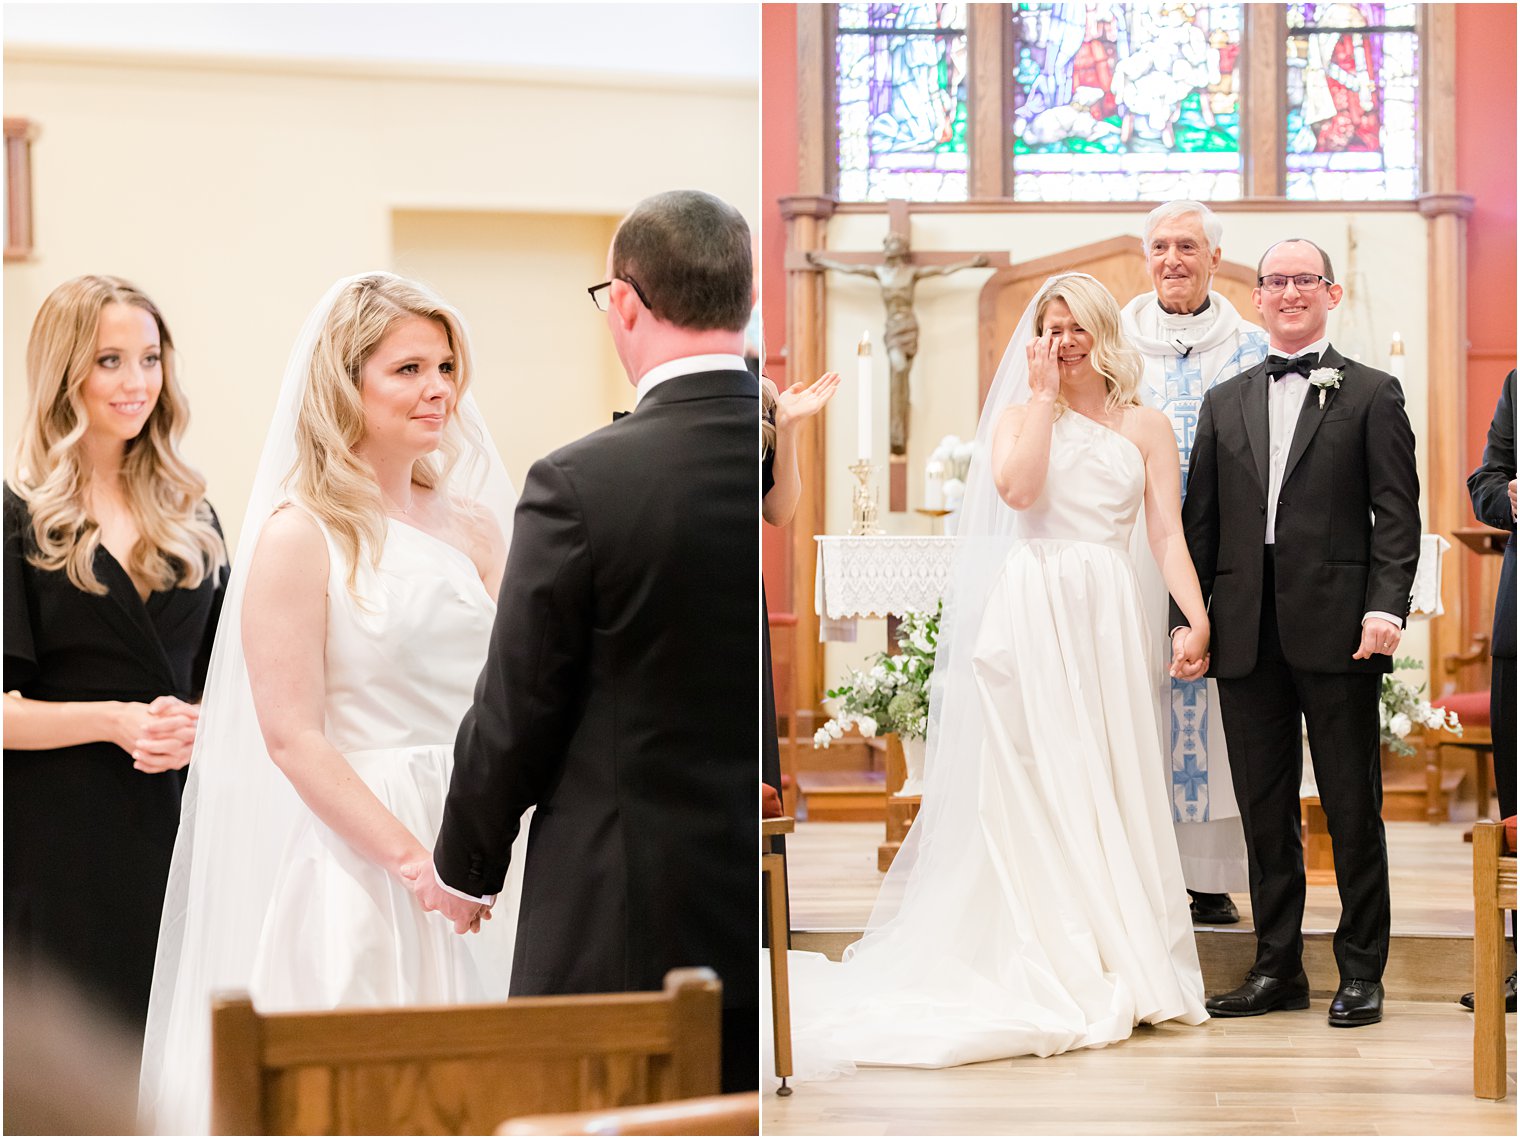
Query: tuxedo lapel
1253	406
1311	415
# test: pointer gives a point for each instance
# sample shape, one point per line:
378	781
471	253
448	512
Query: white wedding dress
402	659
1053	915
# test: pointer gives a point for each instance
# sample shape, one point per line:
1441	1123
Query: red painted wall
1485	97
778	179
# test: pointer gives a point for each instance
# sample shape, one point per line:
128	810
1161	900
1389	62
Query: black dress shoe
1261	994
1509	996
1357	1003
1213	909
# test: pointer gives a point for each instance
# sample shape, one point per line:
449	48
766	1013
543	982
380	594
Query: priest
1191	338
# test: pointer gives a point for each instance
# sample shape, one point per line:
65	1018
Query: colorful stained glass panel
901	96
1123	102
1353	101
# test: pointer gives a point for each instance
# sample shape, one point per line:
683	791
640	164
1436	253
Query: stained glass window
1353	81
1119	102
901	97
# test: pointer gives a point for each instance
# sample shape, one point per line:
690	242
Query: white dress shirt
1285	399
681	366
687	366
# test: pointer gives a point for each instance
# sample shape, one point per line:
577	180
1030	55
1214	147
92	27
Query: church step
848	754
1421	967
1404	798
843	796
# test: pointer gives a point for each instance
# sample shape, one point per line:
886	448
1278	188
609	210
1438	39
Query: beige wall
1391	253
235	191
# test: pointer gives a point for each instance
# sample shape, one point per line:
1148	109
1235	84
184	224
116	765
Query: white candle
1396	356
863	365
934	485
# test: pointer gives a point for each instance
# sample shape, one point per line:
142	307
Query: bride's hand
1044	370
1193	647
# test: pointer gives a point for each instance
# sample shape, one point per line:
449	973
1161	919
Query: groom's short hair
690	253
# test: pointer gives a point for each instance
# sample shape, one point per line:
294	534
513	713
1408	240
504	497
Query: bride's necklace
396	508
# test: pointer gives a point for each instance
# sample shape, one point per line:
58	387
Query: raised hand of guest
803	401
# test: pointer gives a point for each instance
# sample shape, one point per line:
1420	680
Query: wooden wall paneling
1118	262
19	134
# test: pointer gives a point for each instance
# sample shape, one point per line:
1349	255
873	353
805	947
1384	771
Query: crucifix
898	271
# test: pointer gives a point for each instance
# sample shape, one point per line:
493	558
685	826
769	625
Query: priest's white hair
1213	228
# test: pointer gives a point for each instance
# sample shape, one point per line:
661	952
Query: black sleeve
213	619
20	645
1393	487
1489	484
1200	508
512	742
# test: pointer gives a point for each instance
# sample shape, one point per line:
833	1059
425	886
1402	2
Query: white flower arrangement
1323	379
1402	706
892	695
955	456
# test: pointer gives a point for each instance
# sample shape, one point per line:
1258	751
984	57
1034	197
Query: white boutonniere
1323	378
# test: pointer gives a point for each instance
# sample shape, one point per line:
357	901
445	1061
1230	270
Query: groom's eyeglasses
599	293
1304	282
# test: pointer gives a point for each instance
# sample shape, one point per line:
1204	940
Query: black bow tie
1280	366
616	415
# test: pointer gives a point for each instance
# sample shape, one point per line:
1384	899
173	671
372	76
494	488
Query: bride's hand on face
1044	369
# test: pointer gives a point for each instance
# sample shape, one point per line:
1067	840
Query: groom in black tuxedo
1302	519
620	696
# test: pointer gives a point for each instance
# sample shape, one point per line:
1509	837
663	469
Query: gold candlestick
864	501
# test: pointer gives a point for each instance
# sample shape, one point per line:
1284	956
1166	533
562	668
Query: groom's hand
423	884
1378	636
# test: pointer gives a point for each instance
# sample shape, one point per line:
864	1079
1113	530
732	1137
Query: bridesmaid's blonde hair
1095	310
178	544
329	476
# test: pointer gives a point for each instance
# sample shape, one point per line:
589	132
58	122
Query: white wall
706	40
234	191
1391	256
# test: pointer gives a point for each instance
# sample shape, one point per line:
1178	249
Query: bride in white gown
356	623
1037	904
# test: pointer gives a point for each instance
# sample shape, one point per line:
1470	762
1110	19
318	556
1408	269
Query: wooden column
989	109
1446	212
805	220
1263	150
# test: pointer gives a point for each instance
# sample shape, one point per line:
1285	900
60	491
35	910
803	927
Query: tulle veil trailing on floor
976	948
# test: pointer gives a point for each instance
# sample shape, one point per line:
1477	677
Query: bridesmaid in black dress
113	584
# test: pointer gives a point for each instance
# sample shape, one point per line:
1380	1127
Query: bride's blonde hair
1095	310
178	544
329	477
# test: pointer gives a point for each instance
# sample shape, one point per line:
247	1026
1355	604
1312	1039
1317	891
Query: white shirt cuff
1385	616
487	900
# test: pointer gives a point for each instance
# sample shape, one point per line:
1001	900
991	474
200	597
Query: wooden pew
737	1114
1493	893
461	1069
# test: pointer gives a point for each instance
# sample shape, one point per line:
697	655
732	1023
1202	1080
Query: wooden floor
833	879
1284	1074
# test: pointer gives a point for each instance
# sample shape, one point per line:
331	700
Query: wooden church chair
1493	893
461	1069
737	1114
1471	707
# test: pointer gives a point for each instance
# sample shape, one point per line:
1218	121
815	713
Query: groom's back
642	850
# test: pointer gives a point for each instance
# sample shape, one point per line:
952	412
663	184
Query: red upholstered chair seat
1509	835
1471	707
770	802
